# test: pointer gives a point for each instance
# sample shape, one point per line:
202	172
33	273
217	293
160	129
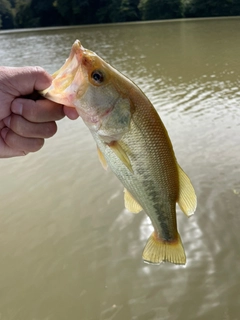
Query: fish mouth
68	82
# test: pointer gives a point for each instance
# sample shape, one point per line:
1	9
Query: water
68	248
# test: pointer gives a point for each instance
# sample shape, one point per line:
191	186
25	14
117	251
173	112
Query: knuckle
38	69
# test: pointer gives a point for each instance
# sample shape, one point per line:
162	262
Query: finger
28	129
71	113
20	145
37	111
28	79
2	125
5	150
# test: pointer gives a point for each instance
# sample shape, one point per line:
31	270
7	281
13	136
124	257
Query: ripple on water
67	244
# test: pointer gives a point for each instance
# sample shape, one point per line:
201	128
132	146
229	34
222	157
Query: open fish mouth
68	82
133	141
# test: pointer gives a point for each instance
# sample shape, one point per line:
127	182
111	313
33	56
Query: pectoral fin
121	154
187	199
130	203
102	159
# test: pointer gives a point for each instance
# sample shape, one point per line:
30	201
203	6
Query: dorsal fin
187	199
130	203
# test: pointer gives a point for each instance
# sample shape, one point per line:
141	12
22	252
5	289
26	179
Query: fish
132	140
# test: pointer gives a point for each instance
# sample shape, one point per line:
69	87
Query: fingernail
17	107
4	132
7	121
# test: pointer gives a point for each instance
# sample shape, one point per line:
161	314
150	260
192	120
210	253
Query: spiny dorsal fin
102	159
187	199
158	250
130	203
121	154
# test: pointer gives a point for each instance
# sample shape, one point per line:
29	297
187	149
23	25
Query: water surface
68	248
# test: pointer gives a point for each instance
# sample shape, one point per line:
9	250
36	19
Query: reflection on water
68	248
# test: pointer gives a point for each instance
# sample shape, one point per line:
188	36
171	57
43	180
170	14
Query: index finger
38	111
27	79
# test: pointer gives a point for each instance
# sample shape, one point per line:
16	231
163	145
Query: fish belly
148	180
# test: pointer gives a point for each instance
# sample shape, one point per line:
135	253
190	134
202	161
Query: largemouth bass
132	140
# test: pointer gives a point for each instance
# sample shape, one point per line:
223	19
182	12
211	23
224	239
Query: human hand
25	123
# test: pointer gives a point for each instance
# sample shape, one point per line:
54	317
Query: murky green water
68	248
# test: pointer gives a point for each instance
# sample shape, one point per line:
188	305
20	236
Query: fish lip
77	51
64	76
58	91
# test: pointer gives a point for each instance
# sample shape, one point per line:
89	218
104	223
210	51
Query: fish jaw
102	105
132	140
69	82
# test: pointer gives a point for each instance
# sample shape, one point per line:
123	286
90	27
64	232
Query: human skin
25	123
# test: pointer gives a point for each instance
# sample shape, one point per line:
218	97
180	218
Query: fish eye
97	76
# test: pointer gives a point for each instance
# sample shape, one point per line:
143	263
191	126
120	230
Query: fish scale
133	142
149	181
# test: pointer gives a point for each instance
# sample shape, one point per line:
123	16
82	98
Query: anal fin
158	250
130	203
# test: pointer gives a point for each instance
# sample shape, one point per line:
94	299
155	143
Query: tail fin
157	250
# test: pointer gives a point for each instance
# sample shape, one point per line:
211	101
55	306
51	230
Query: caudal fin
157	251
